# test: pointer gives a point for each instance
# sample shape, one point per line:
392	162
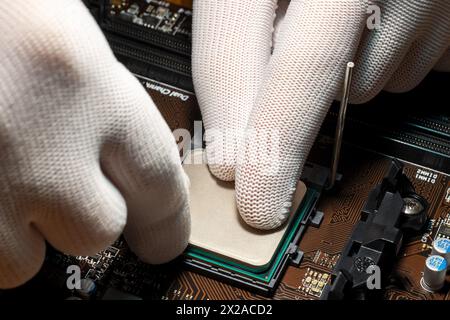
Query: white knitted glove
81	145
285	94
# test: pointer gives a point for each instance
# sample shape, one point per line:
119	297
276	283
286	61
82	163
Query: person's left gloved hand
280	98
84	152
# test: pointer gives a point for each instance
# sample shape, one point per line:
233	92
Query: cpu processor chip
217	226
223	244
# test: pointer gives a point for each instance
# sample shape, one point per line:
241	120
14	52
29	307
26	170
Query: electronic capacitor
434	273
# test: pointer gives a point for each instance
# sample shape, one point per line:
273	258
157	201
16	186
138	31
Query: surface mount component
444	229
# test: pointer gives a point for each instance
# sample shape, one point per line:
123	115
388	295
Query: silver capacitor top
441	247
434	273
87	288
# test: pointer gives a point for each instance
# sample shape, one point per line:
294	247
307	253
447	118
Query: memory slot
435	124
397	139
177	44
152	63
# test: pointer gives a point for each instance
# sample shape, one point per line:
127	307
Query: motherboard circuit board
153	39
118	273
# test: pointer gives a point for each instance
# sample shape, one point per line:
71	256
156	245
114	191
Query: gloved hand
280	98
84	151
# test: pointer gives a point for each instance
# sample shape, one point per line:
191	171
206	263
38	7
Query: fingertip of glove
222	172
257	215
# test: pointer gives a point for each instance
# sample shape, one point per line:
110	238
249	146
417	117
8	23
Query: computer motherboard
391	203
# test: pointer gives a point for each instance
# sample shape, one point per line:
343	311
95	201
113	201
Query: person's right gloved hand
83	150
276	81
